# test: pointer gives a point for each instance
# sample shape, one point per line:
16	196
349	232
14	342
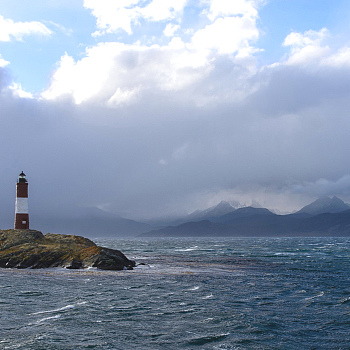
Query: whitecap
187	249
48	318
315	296
69	306
208	296
194	288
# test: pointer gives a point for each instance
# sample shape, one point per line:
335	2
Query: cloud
160	10
17	30
115	73
222	8
170	29
309	49
3	62
306	48
5	79
188	122
190	65
19	92
113	16
324	187
340	59
309	38
148	129
119	72
227	35
162	152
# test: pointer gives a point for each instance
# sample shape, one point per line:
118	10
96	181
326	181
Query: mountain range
324	217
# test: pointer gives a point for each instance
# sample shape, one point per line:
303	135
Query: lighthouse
21	211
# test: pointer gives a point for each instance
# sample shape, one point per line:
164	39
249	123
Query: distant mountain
199	215
324	205
240	213
239	222
218	210
189	229
263	223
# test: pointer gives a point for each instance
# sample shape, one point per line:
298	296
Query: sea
222	293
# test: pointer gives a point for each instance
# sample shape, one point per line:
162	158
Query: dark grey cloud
4	78
290	89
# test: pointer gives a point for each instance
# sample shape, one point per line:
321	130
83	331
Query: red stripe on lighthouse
22	190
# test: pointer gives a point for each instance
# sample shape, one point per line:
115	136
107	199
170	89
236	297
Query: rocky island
31	249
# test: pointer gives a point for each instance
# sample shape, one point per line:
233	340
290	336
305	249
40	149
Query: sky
146	108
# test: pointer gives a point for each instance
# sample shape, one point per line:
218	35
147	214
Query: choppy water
258	293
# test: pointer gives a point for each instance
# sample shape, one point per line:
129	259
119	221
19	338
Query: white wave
187	249
70	306
287	254
195	288
48	318
208	296
187	310
315	296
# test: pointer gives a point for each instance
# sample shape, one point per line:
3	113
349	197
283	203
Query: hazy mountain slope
199	215
325	205
91	222
326	224
242	212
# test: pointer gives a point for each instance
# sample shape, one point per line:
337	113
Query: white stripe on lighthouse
21	205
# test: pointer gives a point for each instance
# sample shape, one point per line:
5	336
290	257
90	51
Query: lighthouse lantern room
21	210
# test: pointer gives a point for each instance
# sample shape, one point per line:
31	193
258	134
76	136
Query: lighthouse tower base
21	222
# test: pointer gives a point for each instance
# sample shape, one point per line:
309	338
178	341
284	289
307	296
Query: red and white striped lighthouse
21	211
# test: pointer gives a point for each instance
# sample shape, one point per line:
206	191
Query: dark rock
75	264
31	249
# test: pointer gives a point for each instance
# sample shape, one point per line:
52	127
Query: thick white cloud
306	47
84	79
227	35
115	15
17	91
341	58
114	73
17	30
170	29
310	49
